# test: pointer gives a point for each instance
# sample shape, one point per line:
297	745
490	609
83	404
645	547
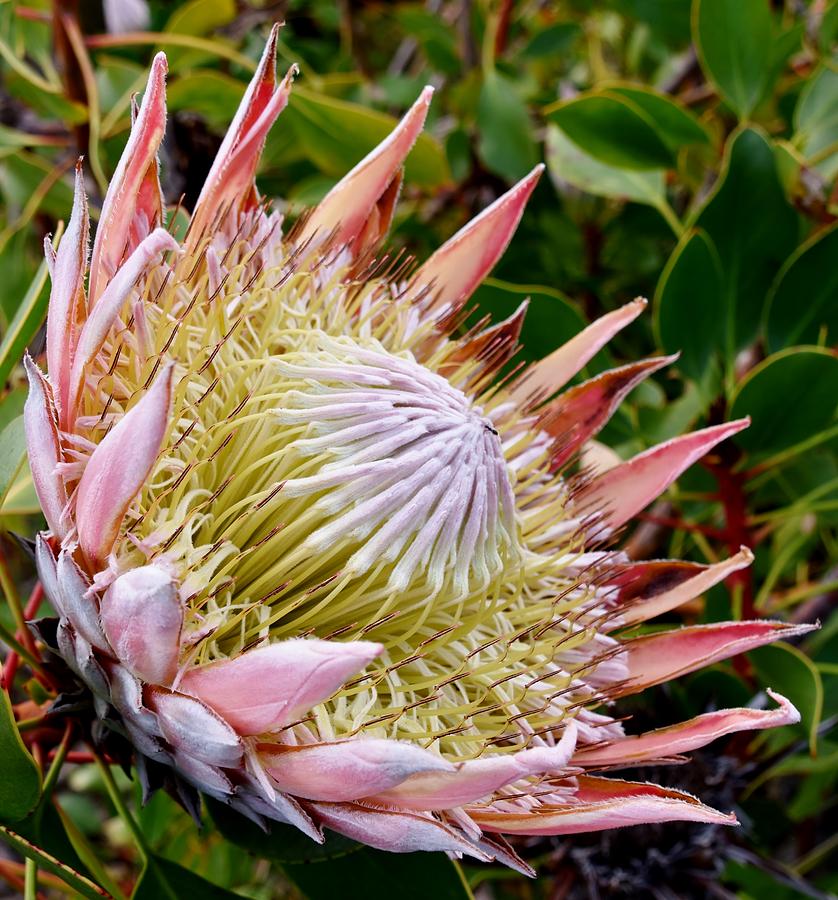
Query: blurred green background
691	151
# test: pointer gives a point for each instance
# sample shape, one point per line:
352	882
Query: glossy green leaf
566	162
45	103
337	134
507	144
734	42
20	778
613	129
790	672
25	174
374	875
82	885
689	303
790	397
669	19
674	124
816	120
87	852
754	229
12	454
213	95
550	41
197	18
803	304
23	327
163	879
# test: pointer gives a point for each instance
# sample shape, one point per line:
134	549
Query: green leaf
12	454
803	304
213	95
20	778
28	318
551	318
197	18
45	103
83	886
163	879
689	303
12	139
507	145
566	162
374	875
734	43
24	175
790	672
338	134
675	125
613	129
754	228
549	42
87	853
816	120
790	397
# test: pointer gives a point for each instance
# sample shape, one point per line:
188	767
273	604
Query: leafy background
691	154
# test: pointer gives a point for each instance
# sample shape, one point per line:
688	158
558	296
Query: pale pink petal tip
541	380
194	730
602	803
119	466
292	675
655	658
66	299
44	447
343	213
347	770
229	186
142	616
452	273
81	611
132	206
685	736
649	589
479	778
396	831
104	315
620	493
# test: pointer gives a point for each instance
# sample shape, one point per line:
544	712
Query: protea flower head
313	555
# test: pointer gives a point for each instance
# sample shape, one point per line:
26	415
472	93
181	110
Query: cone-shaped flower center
318	480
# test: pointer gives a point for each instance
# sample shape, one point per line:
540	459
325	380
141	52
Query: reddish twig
31	608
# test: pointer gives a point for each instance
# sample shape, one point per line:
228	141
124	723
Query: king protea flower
313	554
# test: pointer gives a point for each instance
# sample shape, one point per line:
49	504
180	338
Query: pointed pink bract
604	803
655	658
67	298
617	495
541	380
229	185
44	446
454	271
119	231
344	211
348	770
119	466
292	675
142	616
686	736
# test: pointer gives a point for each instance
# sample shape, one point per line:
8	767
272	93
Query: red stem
31	608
